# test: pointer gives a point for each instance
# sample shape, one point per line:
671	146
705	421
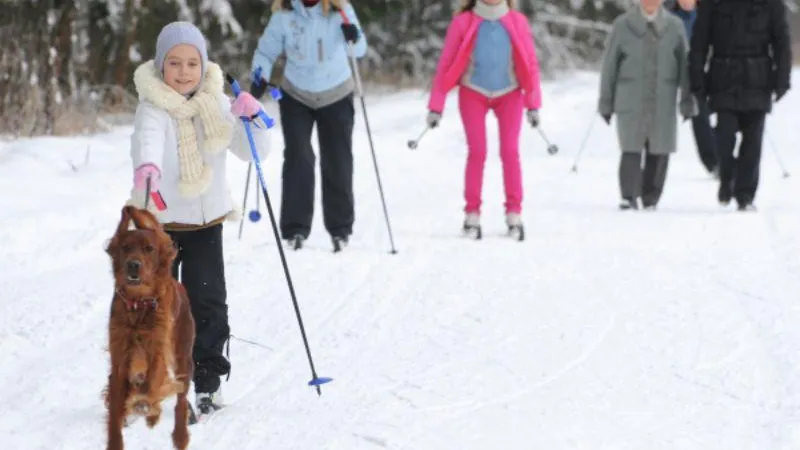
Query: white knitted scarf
195	175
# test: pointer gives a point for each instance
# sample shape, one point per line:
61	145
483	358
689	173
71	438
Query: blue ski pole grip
275	93
234	85
268	121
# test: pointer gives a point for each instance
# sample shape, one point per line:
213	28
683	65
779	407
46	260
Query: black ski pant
201	268
335	135
738	176
646	182
704	136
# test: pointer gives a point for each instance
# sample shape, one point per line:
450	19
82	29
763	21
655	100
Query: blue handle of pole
268	121
274	92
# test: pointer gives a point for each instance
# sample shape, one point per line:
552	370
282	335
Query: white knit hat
177	33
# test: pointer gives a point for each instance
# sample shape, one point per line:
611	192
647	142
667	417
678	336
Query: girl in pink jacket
489	52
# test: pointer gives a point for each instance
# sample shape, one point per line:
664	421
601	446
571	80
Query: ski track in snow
678	329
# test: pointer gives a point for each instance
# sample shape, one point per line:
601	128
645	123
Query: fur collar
151	87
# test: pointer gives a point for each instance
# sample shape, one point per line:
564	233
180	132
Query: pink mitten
245	105
141	174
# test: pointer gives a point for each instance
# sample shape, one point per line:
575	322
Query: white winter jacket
155	141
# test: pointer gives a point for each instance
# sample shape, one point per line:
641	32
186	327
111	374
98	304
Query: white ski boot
472	226
515	228
208	403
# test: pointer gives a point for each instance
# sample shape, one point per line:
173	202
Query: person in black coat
686	10
750	62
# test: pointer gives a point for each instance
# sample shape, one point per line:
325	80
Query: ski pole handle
274	92
155	196
268	121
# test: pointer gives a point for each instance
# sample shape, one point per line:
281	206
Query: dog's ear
122	227
167	252
125	219
145	220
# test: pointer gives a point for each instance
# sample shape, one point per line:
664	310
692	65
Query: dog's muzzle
132	269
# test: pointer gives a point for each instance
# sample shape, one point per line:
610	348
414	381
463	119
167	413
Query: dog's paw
141	407
129	420
153	420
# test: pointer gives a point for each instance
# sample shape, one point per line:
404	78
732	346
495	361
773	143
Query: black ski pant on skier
646	181
334	131
704	136
739	176
199	266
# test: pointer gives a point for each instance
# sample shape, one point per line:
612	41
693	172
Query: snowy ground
678	329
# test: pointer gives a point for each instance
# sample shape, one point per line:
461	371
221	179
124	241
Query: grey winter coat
643	68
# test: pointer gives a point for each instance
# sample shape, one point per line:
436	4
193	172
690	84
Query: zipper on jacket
320	52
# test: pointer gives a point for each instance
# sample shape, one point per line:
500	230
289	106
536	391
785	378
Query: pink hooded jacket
457	52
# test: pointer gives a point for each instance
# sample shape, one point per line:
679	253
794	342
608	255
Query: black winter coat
750	49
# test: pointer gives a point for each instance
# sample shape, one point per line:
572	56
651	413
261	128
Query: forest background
66	66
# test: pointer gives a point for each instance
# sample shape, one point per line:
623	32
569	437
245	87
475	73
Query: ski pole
777	156
244	202
147	190
316	381
551	148
583	144
413	143
359	89
255	214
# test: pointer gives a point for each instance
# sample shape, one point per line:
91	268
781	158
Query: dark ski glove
257	88
533	117
350	32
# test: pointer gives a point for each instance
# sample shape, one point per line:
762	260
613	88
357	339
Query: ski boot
472	226
629	204
207	403
515	228
339	243
296	242
746	206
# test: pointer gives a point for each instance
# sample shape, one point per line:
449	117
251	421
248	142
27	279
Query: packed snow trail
676	329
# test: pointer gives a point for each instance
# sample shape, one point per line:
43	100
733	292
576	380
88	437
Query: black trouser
335	133
704	136
202	271
647	182
738	177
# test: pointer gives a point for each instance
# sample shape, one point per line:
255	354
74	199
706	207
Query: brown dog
151	329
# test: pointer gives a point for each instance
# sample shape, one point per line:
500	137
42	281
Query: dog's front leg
161	386
117	393
137	375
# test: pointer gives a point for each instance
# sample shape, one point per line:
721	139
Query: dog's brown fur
151	330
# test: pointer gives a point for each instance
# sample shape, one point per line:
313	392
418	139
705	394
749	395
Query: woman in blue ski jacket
317	88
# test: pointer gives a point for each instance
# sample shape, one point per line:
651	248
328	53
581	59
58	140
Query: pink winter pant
508	110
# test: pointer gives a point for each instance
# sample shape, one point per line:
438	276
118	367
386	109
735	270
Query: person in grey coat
645	63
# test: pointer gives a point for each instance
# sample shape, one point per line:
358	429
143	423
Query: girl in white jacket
184	124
